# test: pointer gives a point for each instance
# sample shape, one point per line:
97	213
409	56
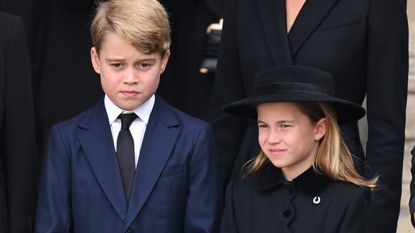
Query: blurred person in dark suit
18	159
31	13
55	28
182	85
34	21
65	64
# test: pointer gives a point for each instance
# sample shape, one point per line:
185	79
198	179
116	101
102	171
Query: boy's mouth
129	93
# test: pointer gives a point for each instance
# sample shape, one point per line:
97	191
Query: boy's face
128	77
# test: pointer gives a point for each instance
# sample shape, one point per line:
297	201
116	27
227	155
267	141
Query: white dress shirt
137	128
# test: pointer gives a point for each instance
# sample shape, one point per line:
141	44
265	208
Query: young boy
157	175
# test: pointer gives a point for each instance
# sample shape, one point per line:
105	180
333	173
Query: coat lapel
272	16
158	142
97	143
307	21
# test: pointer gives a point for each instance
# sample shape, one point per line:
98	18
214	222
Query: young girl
304	179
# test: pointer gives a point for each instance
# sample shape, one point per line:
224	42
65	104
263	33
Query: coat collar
309	182
273	19
307	21
272	15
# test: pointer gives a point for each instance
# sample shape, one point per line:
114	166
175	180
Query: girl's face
288	138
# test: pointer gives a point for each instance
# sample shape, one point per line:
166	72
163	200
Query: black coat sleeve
387	79
355	217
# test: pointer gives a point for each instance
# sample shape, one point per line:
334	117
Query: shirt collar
310	182
143	111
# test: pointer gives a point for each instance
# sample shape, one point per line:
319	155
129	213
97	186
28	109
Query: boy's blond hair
143	23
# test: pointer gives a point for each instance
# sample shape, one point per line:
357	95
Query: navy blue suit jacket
175	187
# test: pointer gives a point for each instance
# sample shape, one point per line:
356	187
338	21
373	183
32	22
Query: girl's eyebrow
281	121
278	122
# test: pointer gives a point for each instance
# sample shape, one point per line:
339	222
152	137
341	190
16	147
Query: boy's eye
261	125
116	65
284	125
144	65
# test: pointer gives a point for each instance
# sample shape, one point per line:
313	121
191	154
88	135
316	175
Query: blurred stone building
404	224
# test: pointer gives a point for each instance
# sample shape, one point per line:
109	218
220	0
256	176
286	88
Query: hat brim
346	111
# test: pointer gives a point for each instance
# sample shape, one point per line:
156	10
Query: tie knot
126	120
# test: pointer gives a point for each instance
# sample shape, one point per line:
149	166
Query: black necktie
125	152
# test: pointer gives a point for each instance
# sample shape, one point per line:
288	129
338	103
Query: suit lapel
272	16
158	142
307	21
97	143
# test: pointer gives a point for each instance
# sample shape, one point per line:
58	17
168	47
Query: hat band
271	88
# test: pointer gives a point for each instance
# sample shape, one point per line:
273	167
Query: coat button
286	213
129	231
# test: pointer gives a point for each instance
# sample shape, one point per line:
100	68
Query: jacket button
286	213
129	231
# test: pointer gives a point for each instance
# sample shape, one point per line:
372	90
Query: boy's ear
95	60
164	61
320	129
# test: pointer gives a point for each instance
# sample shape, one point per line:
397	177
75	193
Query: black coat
18	160
362	43
67	84
30	12
265	202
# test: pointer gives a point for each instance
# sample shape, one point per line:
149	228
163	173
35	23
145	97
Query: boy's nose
130	76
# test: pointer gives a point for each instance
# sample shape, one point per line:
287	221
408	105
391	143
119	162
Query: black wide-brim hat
295	84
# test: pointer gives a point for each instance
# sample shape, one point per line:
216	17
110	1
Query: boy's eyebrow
113	59
122	59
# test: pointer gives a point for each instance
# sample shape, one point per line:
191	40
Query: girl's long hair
333	158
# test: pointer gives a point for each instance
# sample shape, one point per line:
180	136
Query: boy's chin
128	105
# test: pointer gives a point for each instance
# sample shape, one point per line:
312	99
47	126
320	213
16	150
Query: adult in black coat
362	43
34	20
30	12
181	84
18	160
67	84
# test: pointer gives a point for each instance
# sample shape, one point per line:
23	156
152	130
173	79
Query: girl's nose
274	137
